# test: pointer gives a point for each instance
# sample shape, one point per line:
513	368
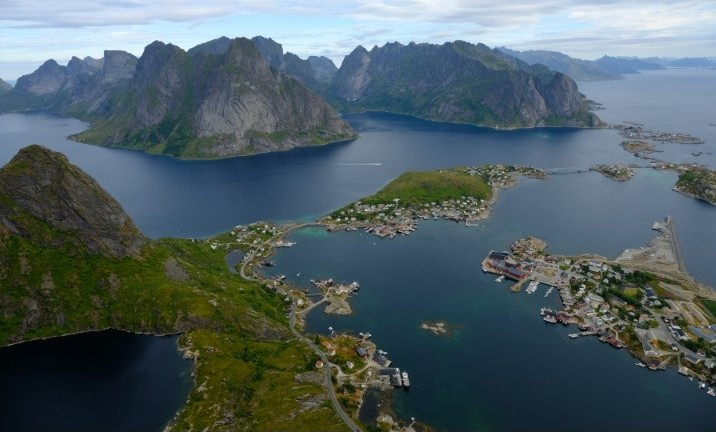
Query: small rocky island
617	172
438	328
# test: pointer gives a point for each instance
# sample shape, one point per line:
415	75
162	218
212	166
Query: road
327	364
327	369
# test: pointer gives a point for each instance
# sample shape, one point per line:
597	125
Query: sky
32	31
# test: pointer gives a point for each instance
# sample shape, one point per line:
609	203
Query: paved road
327	369
327	364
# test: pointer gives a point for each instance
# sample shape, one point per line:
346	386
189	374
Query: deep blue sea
504	369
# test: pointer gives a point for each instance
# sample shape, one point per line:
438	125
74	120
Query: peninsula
643	301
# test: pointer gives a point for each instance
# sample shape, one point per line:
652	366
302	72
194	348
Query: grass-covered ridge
416	188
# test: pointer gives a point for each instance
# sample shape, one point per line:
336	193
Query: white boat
406	380
550	319
500	279
702	384
532	287
574	335
640	364
549	291
711	392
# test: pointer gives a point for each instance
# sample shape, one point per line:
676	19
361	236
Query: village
392	218
662	318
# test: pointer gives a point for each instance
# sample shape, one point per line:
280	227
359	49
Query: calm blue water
504	370
673	100
468	383
103	381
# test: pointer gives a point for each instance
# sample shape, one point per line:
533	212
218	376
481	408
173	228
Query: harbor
656	316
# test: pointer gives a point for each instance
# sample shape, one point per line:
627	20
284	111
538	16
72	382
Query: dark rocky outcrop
39	188
458	82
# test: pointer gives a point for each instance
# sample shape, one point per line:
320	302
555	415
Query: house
362	352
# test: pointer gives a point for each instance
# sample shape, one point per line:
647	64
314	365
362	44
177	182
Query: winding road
327	375
326	363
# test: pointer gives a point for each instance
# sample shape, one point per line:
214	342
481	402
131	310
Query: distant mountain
84	88
323	68
219	99
577	69
626	65
686	62
4	87
458	82
40	191
313	72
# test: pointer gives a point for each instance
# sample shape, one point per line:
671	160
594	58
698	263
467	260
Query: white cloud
37	29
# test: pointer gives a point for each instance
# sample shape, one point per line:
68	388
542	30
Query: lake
99	381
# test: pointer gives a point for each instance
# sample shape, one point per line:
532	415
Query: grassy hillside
416	188
245	369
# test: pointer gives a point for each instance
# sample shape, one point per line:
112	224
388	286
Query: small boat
406	380
500	279
691	378
702	384
574	335
711	392
640	364
550	319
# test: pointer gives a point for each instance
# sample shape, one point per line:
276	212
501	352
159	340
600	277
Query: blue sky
32	31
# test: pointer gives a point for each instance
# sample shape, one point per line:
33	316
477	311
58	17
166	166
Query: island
697	182
463	194
617	172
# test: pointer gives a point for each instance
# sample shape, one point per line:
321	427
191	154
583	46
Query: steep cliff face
314	74
40	189
323	68
458	82
4	87
203	105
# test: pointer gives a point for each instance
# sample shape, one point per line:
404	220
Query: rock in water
39	186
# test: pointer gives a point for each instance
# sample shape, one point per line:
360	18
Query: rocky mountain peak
48	78
43	184
118	66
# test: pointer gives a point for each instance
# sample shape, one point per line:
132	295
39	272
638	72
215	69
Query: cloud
36	29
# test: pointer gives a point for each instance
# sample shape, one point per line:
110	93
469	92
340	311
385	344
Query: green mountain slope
53	282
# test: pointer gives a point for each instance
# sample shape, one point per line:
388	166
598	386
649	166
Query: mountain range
606	67
229	97
458	82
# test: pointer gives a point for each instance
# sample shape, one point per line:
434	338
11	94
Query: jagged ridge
458	82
